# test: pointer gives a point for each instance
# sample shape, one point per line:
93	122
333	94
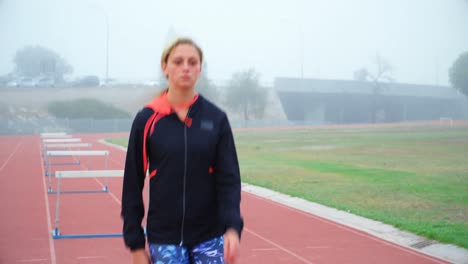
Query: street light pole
107	49
302	50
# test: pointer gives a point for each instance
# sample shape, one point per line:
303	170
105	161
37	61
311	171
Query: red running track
273	233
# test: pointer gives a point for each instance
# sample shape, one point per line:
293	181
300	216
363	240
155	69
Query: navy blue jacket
194	180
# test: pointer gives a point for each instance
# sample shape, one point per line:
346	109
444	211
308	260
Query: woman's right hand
140	256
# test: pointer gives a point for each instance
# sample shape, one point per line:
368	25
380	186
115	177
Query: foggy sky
327	39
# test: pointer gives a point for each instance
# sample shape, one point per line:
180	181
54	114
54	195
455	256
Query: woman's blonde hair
179	41
167	51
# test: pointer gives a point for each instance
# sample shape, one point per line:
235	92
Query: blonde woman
186	144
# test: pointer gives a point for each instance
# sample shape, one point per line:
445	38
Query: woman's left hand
231	246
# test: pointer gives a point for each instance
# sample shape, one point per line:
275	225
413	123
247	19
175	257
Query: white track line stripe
246	229
46	200
360	233
278	246
31	260
108	191
11	155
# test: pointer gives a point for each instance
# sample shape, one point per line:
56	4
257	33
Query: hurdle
73	153
61	140
54	134
67	145
63	146
446	121
80	174
58	141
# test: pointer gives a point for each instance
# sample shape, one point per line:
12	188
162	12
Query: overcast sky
327	39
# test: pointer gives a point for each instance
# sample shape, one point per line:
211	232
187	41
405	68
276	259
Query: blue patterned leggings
208	252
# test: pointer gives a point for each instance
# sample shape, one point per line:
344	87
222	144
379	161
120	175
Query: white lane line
265	249
278	246
91	257
31	260
317	247
108	191
354	231
49	225
11	155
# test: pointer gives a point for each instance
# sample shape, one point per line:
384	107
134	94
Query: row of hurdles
62	145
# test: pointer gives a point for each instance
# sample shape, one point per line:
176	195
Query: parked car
90	80
46	82
27	82
12	83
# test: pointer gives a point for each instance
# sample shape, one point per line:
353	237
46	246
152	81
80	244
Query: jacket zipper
185	181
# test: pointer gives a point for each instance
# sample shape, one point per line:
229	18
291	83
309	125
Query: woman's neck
177	97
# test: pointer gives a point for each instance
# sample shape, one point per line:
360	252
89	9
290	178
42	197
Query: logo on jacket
207	125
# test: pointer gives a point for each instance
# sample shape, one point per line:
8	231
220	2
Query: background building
319	101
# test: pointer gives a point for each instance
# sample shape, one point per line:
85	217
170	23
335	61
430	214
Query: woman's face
183	66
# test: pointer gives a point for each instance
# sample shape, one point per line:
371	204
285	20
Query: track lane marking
53	259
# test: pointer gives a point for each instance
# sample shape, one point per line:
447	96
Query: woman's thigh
168	254
208	252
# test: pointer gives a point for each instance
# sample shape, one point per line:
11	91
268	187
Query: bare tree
380	77
245	94
361	74
37	61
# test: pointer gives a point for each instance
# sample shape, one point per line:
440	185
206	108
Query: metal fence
30	126
34	126
39	125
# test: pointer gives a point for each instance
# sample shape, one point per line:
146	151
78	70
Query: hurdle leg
49	174
56	232
78	158
106	188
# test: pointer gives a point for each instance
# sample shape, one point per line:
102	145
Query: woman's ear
163	68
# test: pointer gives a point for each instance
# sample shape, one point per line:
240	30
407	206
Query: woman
186	143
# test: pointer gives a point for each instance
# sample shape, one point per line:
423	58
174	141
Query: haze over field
313	39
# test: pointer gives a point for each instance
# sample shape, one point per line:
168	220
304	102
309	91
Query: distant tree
380	77
205	86
245	95
36	61
458	73
361	74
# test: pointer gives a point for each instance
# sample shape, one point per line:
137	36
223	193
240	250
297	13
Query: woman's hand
231	246
140	256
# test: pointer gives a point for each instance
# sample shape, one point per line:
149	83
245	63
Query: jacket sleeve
132	200
228	181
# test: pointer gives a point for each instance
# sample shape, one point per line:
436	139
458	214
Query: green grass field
414	178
